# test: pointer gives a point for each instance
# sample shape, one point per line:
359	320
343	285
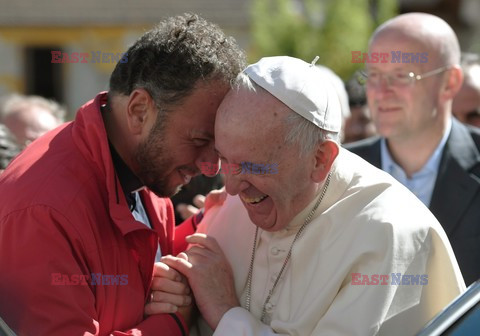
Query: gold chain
250	269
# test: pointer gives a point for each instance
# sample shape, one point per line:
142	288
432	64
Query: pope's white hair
300	131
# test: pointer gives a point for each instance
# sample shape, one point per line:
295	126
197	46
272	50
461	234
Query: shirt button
275	250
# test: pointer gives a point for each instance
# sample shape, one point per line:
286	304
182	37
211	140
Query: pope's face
250	129
401	111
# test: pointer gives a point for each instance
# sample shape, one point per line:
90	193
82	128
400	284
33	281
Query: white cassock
367	223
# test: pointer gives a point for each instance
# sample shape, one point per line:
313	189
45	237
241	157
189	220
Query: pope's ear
325	154
141	111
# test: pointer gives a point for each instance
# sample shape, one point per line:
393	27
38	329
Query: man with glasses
420	144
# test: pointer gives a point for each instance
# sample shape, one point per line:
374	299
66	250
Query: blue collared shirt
422	182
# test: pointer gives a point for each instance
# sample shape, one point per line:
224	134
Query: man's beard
153	162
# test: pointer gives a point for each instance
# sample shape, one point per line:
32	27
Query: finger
176	300
199	201
169	258
199	251
182	265
183	255
161	269
166	285
201	254
215	197
152	308
186	210
204	241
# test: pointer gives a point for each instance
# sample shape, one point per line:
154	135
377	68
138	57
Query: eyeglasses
398	79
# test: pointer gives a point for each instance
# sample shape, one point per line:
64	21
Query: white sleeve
239	322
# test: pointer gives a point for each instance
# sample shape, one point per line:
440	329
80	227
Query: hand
169	291
210	277
214	197
186	210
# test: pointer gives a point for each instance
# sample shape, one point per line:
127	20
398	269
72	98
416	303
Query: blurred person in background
29	117
85	210
8	148
339	87
190	199
359	125
421	144
466	105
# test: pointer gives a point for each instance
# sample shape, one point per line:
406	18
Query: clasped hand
209	275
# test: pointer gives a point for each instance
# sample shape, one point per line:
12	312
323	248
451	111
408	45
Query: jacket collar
459	159
128	180
461	146
90	137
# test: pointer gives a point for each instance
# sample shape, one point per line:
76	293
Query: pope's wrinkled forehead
247	112
250	125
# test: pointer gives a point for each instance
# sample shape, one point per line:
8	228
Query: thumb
183	255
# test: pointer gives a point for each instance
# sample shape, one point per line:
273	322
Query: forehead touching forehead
425	32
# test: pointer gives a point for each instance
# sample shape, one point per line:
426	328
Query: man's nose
385	83
208	162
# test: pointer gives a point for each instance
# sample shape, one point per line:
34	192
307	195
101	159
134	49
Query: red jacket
64	217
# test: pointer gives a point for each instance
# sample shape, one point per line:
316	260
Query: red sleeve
188	227
36	243
162	324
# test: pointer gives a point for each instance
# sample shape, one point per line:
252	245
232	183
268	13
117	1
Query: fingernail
188	300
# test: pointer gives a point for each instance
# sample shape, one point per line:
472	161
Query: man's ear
452	84
325	155
141	111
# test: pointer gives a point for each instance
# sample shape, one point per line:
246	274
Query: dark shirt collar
128	180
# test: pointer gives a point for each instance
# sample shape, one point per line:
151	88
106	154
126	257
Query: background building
31	29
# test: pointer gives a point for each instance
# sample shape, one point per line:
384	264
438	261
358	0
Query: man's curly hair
170	59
